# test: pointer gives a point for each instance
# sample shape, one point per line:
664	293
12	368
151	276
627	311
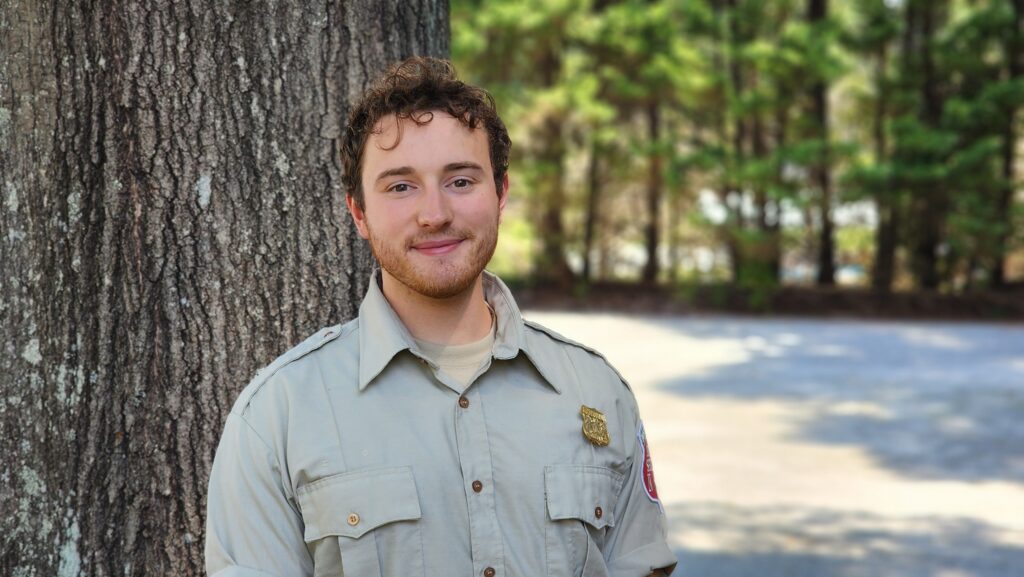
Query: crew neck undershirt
460	362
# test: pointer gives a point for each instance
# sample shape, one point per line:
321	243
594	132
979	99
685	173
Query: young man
438	433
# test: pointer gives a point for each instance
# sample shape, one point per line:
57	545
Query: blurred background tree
759	144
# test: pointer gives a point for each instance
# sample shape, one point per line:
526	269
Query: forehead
442	140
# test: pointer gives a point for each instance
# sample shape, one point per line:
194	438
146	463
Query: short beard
454	279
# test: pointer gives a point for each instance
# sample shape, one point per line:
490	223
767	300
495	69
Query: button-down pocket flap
350	504
582	492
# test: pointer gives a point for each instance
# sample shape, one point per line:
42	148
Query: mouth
436	247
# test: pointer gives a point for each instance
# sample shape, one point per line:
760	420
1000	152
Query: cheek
483	210
489	216
385	225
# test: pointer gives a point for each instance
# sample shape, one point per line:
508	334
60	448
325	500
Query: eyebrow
400	171
407	170
462	166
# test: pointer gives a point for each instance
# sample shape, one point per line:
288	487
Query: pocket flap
582	492
350	504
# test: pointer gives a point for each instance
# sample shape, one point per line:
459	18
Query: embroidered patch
648	472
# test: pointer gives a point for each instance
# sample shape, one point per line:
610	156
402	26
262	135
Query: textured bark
172	220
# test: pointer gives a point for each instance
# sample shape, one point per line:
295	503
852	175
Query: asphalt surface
800	448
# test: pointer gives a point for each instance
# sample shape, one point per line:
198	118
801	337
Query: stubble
441	277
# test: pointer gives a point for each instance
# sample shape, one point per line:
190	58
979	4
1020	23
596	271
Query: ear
503	197
358	216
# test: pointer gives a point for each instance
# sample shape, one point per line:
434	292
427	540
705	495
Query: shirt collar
382	335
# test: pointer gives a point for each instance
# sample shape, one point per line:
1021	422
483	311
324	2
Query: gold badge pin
595	426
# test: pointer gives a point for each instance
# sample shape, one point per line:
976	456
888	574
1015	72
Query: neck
456	320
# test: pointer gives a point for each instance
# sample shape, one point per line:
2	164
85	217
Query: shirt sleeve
638	543
252	528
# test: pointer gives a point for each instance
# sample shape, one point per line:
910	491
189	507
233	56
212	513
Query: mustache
445	234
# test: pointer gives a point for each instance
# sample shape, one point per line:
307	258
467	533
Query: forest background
727	149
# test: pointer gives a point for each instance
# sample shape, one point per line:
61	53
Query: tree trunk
888	222
817	10
675	241
781	130
552	266
759	148
885	244
593	209
732	190
652	229
172	220
768	254
930	201
1015	69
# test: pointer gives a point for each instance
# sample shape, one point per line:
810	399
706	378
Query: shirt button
353	519
489	572
464	402
598	512
478	486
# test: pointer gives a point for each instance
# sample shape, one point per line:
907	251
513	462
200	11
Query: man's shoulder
558	338
307	349
592	360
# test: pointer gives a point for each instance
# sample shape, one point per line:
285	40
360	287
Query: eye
400	187
462	183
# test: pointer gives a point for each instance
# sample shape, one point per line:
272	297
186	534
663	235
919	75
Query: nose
435	209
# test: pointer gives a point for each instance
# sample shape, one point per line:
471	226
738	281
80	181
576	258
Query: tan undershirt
460	361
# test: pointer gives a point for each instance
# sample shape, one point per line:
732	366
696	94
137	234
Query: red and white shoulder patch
648	467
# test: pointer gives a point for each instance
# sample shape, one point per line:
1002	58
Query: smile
436	247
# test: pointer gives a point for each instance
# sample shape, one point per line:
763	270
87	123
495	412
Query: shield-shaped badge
595	426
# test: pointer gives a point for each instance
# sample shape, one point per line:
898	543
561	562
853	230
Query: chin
441	277
442	286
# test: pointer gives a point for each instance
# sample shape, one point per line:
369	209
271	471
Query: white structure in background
707	262
797	268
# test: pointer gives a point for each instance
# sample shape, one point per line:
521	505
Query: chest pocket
581	508
364	523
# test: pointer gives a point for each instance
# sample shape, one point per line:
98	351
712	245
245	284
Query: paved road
799	448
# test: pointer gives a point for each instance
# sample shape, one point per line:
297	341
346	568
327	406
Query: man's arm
253	528
637	545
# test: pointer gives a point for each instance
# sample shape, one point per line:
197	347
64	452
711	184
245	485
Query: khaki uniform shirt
351	455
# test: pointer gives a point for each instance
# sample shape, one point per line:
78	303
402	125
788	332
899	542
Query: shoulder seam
328	334
270	451
555	335
563	339
252	429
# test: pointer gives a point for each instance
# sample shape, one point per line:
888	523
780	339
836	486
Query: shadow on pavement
929	401
798	542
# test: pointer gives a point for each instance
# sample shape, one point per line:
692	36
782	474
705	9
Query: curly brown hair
412	89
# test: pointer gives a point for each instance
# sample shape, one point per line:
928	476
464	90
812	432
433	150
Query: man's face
431	210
